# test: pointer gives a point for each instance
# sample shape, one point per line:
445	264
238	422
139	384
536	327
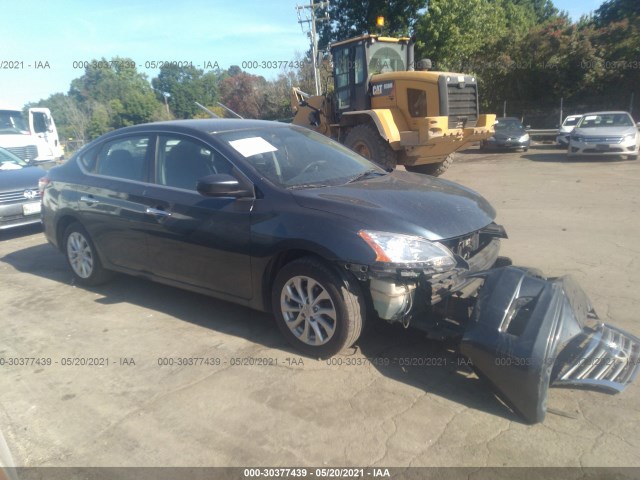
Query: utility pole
307	15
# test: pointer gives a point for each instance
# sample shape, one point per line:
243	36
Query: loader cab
355	60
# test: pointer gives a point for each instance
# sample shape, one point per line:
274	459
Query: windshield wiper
366	174
307	185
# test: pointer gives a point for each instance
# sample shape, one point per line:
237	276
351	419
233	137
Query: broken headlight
407	249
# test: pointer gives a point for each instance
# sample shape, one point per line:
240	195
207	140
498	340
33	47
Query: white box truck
34	139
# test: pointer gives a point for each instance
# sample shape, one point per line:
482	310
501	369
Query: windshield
507	123
8	161
603	120
386	57
12	122
570	121
297	157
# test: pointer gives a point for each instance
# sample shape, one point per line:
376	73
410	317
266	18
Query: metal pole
631	104
561	115
314	48
309	11
504	109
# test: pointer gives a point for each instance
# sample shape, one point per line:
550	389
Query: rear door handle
156	211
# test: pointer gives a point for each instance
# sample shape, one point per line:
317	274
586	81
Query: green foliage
185	86
543	10
350	18
114	94
617	10
452	32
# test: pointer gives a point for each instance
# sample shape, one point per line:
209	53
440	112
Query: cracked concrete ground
579	218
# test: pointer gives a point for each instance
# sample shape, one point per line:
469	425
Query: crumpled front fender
527	332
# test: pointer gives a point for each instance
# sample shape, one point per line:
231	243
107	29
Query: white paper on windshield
248	147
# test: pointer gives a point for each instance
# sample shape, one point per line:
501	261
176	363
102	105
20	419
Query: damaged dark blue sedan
278	218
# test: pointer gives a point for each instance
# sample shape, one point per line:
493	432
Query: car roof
607	112
207	125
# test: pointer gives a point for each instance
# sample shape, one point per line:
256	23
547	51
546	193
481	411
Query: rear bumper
527	333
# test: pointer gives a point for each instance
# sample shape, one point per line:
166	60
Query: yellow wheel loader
392	113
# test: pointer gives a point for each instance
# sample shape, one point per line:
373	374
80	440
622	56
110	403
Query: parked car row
610	133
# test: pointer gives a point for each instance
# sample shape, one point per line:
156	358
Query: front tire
433	169
317	311
365	140
82	257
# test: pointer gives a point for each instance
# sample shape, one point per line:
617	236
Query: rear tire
366	141
83	258
317	311
434	169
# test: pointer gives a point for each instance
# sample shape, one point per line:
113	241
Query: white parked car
605	133
565	129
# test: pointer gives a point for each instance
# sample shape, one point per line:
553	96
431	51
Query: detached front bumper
527	333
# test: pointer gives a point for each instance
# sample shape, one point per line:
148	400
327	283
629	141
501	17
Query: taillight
42	184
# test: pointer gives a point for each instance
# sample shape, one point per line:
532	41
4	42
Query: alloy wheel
308	310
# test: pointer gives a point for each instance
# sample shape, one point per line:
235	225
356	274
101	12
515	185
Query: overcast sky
47	41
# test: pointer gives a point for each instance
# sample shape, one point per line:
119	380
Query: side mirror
222	185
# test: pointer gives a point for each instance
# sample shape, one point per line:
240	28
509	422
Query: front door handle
89	199
158	212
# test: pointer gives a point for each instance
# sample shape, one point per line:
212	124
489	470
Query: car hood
509	133
605	131
26	178
403	202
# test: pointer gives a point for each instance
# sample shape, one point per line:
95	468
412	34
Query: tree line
526	54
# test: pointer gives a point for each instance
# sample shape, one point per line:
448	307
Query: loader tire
433	169
365	140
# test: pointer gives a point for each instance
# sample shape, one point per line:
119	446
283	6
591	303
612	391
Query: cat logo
385	88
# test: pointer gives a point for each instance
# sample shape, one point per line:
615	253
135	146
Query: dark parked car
279	218
19	193
510	135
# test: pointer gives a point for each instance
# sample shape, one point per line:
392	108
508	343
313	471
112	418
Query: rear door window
122	158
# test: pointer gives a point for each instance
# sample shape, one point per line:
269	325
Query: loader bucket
527	332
